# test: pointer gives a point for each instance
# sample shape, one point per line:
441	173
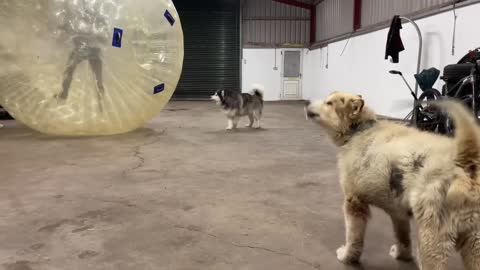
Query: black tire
430	95
428	118
445	126
449	127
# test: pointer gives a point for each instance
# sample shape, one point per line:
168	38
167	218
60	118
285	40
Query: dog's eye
329	103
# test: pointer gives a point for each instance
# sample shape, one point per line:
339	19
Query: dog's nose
311	114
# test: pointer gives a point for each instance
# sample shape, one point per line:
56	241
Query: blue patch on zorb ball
159	88
117	37
169	17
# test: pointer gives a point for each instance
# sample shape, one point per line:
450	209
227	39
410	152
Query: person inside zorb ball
87	27
88	67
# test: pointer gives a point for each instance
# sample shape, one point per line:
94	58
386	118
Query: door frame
300	80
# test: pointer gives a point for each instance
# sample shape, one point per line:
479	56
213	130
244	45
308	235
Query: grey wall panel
334	18
378	11
268	23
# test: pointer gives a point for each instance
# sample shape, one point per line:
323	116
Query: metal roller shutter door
212	47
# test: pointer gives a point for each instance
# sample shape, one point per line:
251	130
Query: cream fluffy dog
406	173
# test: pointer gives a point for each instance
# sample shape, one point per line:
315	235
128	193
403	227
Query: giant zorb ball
88	67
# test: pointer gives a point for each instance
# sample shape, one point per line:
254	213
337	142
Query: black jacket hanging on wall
394	41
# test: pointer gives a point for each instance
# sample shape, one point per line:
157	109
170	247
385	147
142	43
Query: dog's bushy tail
467	137
257	90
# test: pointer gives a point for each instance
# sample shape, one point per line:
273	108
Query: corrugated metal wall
267	23
378	11
334	18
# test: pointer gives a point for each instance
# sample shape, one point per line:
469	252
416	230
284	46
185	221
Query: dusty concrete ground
181	193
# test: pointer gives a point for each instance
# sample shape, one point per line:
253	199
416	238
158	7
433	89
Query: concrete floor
181	193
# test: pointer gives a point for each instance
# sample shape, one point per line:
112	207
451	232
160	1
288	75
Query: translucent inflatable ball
88	67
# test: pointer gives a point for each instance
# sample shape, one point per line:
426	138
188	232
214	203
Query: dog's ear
356	107
360	96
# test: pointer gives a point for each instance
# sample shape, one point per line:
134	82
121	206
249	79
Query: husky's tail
467	141
257	90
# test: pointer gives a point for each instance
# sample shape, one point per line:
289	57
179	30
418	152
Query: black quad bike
462	81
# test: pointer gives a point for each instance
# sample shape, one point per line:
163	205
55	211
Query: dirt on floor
180	194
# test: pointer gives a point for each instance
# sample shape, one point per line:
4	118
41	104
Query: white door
292	75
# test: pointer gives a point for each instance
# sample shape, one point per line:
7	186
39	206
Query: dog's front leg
235	121
402	250
230	124
356	217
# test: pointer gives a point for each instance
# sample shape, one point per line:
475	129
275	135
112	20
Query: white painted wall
363	70
257	67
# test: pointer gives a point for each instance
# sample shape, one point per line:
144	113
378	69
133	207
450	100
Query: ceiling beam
313	24
357	14
313	15
295	3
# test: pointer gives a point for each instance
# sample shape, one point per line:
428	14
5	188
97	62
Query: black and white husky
236	105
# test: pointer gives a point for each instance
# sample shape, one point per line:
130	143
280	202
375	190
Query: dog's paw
1	125
344	256
401	253
248	126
